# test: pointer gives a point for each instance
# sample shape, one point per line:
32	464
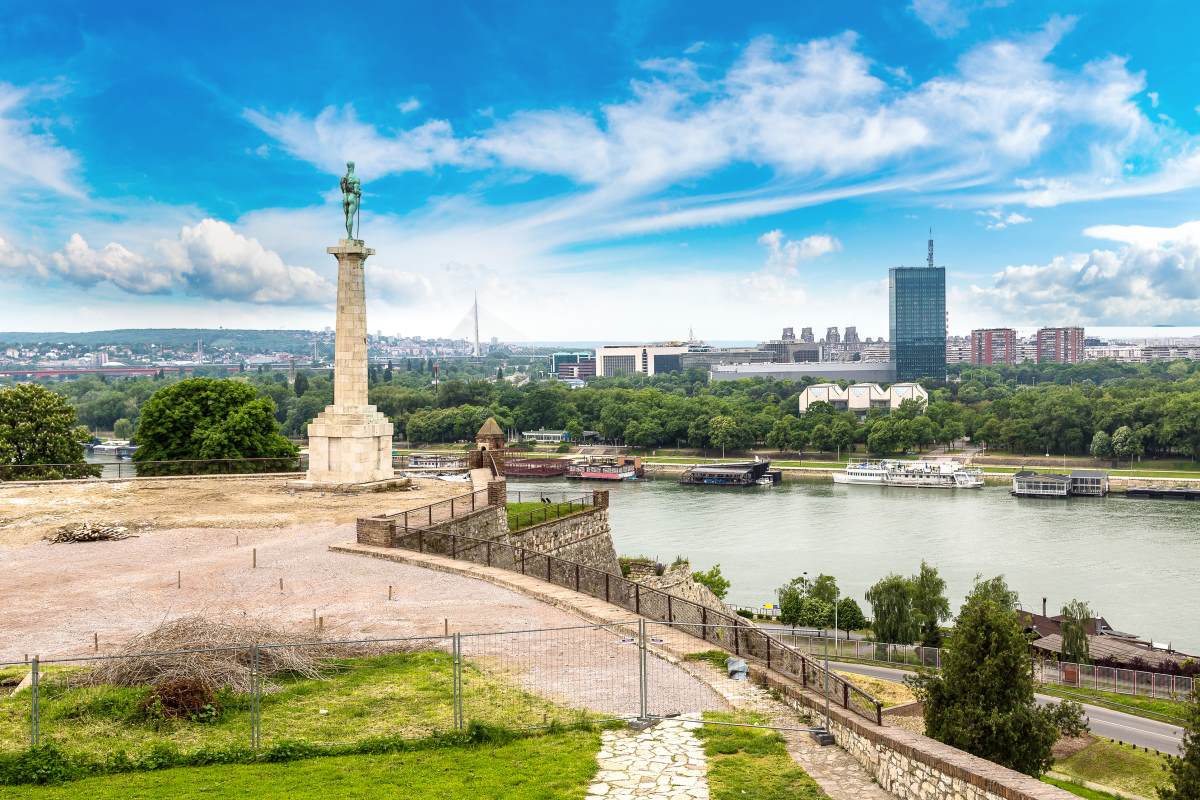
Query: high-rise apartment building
994	346
806	335
1060	345
917	314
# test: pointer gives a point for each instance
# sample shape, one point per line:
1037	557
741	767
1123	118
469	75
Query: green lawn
1149	707
398	695
551	767
746	763
1119	766
1079	791
524	515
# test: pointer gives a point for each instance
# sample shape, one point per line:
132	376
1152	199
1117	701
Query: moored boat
605	468
942	474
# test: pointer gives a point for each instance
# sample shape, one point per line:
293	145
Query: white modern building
642	359
855	371
861	397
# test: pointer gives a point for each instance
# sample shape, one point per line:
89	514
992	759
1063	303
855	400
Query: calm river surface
1137	562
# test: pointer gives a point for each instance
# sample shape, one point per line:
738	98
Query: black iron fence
439	512
534	508
727	631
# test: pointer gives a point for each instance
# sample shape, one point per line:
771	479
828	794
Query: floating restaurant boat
535	467
605	468
743	473
947	474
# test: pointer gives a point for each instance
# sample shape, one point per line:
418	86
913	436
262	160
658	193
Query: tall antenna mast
931	247
477	353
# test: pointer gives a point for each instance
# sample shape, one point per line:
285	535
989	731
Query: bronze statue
351	199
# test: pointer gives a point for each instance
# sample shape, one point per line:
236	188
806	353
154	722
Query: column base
349	445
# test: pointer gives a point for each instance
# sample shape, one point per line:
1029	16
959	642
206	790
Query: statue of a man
351	198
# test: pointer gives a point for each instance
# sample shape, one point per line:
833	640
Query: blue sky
599	170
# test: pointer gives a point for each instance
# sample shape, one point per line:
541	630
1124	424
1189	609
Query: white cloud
777	281
1154	279
946	18
997	220
29	154
336	136
208	259
1153	99
408	106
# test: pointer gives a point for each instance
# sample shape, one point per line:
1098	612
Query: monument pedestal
350	442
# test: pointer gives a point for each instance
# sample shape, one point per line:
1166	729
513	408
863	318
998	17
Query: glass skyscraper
917	308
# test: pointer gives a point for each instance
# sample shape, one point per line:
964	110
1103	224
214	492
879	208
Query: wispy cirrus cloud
31	159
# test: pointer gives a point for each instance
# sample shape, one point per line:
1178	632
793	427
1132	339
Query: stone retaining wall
909	765
584	538
678	582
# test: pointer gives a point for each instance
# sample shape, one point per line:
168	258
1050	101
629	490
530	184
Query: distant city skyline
633	169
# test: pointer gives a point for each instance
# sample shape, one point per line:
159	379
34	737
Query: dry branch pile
89	532
218	654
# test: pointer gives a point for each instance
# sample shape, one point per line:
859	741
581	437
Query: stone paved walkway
665	761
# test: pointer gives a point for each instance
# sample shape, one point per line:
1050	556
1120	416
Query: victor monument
350	442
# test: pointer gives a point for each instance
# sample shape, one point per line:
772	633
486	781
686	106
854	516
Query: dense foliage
815	603
907	608
210	419
40	437
982	699
1184	772
1075	617
1116	412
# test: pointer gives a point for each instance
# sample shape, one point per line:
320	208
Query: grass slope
1079	791
1122	767
752	763
524	515
404	694
552	767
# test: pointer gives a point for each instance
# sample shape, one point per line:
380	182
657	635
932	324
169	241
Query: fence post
453	543
522	549
548	569
255	698
430	509
606	587
489	552
577	576
704	623
456	645
637	598
451	508
642	668
421	541
670	612
737	639
768	652
845	695
34	713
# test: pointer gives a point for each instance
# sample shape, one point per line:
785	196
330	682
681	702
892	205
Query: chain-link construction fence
724	630
339	693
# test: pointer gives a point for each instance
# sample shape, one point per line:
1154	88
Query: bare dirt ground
55	597
27	513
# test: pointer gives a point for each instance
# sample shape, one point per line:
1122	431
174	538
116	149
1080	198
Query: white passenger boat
948	474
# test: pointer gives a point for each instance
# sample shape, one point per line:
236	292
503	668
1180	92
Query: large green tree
40	436
1183	772
891	599
982	699
213	423
930	604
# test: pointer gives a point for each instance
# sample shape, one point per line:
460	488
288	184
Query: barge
605	468
1080	483
535	467
744	473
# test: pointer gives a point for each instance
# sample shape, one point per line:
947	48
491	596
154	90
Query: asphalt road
1102	721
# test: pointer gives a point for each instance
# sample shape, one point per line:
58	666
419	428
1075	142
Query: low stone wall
489	522
909	765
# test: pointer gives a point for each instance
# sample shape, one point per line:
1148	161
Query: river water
1136	562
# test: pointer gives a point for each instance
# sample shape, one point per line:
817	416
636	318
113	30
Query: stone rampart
584	538
909	765
678	582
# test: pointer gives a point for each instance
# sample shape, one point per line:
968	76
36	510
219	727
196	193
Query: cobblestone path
665	761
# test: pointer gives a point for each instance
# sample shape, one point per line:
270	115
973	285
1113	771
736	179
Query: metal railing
727	631
1117	680
122	469
439	512
550	505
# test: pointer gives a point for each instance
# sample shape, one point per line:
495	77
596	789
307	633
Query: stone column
350	442
350	355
